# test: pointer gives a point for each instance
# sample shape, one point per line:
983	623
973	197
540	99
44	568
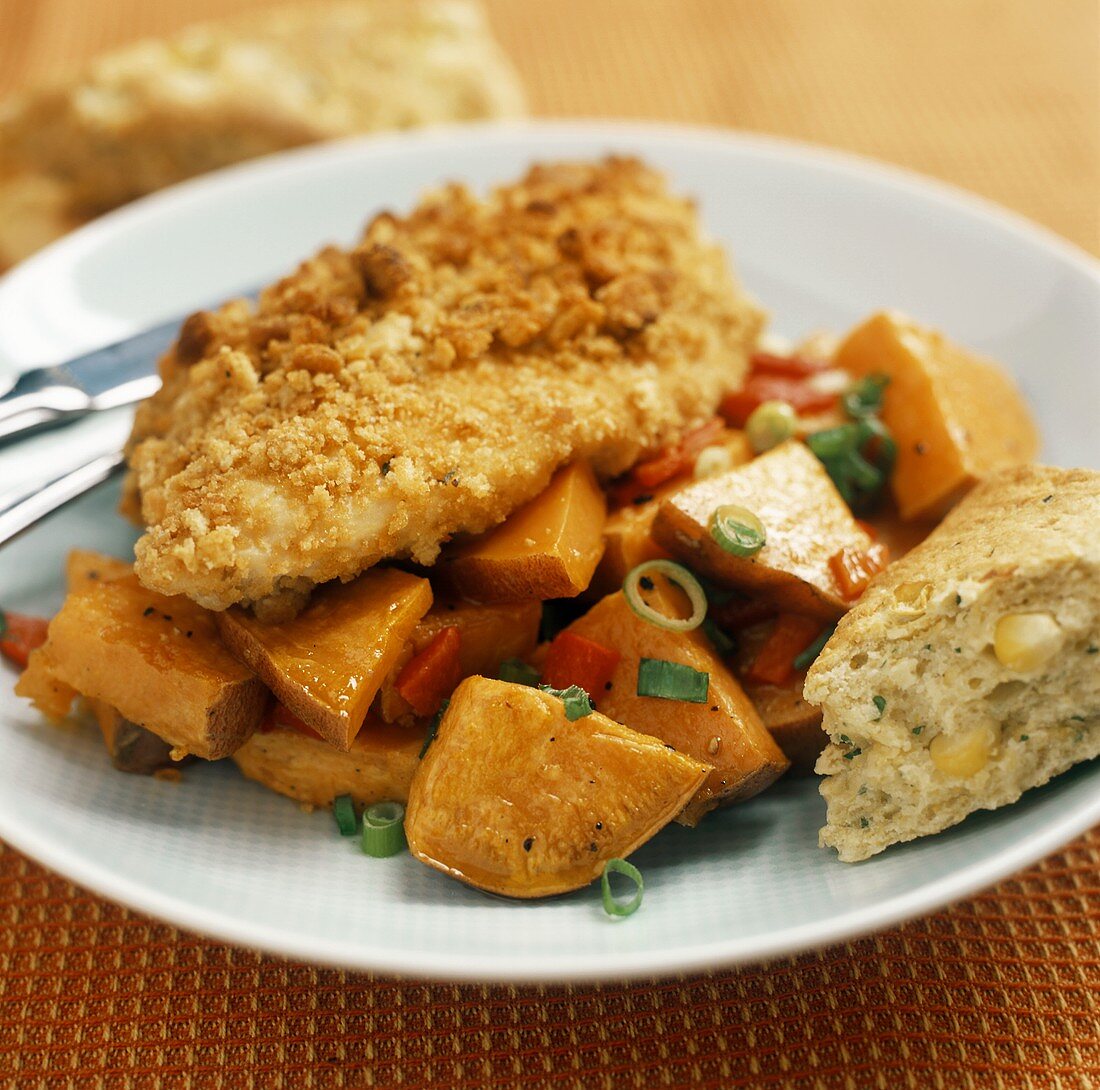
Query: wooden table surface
1001	97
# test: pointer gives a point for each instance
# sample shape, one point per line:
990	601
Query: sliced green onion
806	659
834	442
864	397
859	459
577	702
737	530
611	905
3	623
723	644
433	727
864	475
672	681
383	829
518	672
769	424
343	809
674	573
885	454
880	703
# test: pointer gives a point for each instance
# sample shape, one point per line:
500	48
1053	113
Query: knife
119	374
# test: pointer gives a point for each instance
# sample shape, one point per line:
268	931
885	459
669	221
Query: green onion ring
674	573
383	829
612	906
343	810
737	530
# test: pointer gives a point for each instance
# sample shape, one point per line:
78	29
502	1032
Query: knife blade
104	379
118	374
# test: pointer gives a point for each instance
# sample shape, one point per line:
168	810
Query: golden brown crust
155	112
431	380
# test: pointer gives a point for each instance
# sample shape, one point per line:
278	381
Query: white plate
822	239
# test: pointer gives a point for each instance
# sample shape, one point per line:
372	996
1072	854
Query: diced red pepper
281	716
855	568
739	405
765	363
427	679
22	635
574	660
774	662
673	462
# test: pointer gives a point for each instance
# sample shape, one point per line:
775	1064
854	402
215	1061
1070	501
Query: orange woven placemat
1002	991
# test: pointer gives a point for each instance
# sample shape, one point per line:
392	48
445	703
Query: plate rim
556	968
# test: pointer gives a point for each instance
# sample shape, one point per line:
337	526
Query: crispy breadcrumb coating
430	381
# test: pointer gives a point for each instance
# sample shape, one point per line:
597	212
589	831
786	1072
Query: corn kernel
964	754
913	595
712	462
1026	641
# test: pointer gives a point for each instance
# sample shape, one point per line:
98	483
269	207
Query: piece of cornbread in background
155	112
956	417
970	671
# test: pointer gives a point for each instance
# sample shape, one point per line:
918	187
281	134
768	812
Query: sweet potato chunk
84	567
805	520
490	633
956	417
158	661
132	748
328	663
725	732
515	799
378	767
628	542
794	723
547	549
628	532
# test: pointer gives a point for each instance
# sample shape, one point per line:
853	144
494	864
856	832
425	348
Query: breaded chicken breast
429	381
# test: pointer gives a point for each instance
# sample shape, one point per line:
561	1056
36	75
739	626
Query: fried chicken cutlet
429	381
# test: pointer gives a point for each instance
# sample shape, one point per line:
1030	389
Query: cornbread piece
805	520
970	671
156	112
328	663
549	548
956	417
489	634
725	732
430	381
156	660
514	798
378	767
